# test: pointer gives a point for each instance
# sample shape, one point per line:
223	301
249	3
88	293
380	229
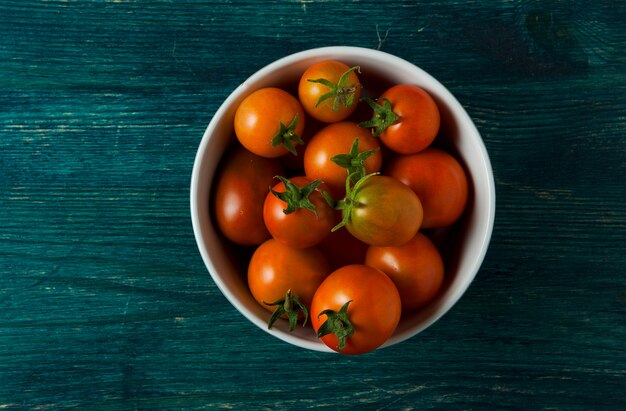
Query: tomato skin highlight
337	139
301	228
385	212
241	185
276	268
258	118
416	268
309	93
374	311
419	123
439	181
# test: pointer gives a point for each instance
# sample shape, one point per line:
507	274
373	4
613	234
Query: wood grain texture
105	302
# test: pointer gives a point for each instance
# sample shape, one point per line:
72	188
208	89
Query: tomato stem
296	197
340	93
354	161
329	199
291	306
338	323
286	135
384	116
347	203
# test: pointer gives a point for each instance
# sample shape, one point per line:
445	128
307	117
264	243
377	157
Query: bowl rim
338	51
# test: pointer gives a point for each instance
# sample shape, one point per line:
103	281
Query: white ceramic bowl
458	133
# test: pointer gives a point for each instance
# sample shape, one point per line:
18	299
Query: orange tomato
302	227
276	268
363	305
337	139
416	268
269	122
439	181
338	82
410	120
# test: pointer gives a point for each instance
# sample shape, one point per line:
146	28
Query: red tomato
342	248
416	268
370	317
438	180
242	183
329	91
337	139
303	227
276	269
411	122
380	210
269	122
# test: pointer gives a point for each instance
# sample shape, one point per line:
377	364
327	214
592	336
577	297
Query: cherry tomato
276	269
364	309
338	139
303	227
269	122
242	184
406	118
329	91
438	180
342	248
416	268
380	210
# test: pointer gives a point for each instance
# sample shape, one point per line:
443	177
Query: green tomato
380	210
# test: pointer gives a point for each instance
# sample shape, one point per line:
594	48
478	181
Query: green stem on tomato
286	135
347	203
338	323
354	161
384	116
291	306
296	197
338	92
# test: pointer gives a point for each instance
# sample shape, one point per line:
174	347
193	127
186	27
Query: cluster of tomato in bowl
336	209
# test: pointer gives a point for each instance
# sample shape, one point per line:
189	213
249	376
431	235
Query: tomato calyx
291	306
286	135
338	323
296	197
383	116
340	93
349	202
354	161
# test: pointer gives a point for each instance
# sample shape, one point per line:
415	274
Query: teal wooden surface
105	302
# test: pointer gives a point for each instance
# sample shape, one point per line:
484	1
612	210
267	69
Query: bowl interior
467	240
